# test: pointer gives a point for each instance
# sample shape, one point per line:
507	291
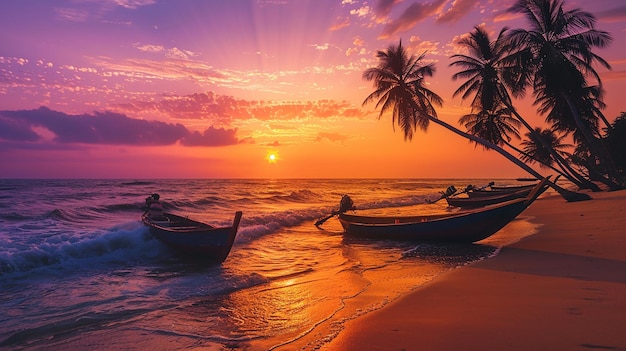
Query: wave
87	214
253	227
67	251
120	243
14	216
301	195
73	216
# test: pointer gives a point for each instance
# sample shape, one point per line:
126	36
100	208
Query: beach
563	288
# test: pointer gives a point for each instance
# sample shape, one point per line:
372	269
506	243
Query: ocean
78	269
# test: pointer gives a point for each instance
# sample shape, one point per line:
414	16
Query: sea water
78	269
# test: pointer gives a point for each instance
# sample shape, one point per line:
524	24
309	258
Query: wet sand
563	288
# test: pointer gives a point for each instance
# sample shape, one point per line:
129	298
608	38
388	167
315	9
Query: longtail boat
192	237
501	190
486	200
460	227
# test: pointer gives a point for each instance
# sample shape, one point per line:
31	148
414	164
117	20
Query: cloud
275	144
223	109
458	10
340	22
413	14
72	15
420	46
90	10
212	137
614	75
321	47
332	137
176	68
133	4
103	128
358	41
361	12
383	9
149	47
506	16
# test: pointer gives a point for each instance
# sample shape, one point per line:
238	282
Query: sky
149	89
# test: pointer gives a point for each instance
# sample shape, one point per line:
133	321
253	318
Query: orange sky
189	89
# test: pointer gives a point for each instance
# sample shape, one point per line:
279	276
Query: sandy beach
563	288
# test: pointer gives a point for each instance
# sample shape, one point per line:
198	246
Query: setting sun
272	157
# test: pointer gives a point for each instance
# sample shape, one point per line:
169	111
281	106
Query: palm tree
535	151
496	126
400	87
616	139
561	43
491	69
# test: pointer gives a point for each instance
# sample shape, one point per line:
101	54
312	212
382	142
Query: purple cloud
211	137
459	9
383	8
413	14
44	125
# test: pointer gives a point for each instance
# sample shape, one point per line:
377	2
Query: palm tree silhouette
496	126
535	151
400	87
491	69
561	44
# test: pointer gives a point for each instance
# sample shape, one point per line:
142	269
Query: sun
272	156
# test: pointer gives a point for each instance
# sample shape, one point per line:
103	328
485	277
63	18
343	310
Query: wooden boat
500	190
196	238
461	227
485	200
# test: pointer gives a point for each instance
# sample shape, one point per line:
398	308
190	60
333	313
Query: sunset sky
211	89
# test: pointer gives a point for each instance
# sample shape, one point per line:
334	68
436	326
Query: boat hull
194	238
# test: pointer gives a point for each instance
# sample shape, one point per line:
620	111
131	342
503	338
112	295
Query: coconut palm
496	126
534	150
400	87
491	69
616	139
562	43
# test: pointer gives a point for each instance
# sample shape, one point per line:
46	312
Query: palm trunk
568	195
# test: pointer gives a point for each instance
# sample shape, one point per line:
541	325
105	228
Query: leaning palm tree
493	68
535	151
400	87
561	43
496	126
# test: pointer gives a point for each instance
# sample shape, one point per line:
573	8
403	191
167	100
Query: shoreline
562	288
